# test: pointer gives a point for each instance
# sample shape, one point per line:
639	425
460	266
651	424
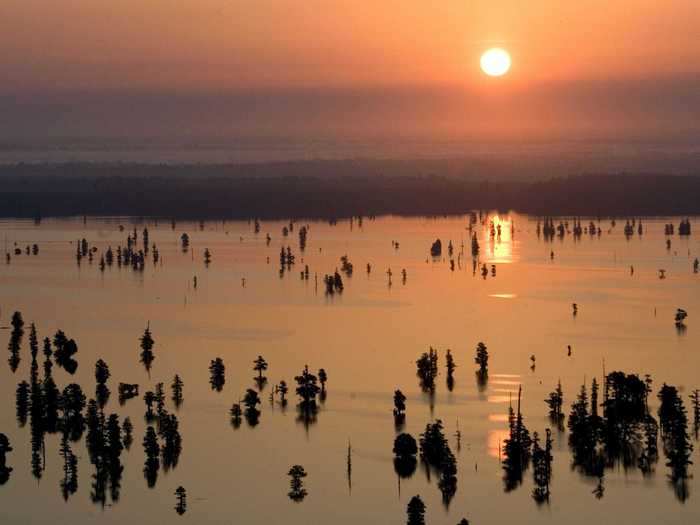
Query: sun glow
495	62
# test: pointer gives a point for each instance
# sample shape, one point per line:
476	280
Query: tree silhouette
307	390
128	429
236	414
516	449
101	376
181	500
22	403
415	511
259	366
322	377
405	450
450	365
399	408
147	343
427	369
65	350
127	391
149	398
555	401
4	449
15	340
177	391
251	400
152	450
674	433
482	358
297	492
282	389
217	376
541	467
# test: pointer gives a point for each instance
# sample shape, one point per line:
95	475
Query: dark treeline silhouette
308	190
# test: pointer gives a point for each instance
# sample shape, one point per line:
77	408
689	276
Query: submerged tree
427	369
399	407
181	500
128	429
4	449
152	450
482	358
101	376
251	400
65	350
435	452
405	450
555	402
450	365
15	340
307	390
259	366
297	492
147	343
236	414
674	433
415	511
282	390
217	376
176	388
516	448
541	467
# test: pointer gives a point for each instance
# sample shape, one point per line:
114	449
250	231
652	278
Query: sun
495	62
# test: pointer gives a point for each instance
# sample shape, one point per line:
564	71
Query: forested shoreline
332	190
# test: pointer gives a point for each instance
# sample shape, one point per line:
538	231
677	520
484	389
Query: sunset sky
592	69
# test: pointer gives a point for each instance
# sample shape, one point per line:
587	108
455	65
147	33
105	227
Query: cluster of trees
435	452
162	441
627	433
516	448
555	402
674	434
303	232
287	260
346	266
333	283
427	369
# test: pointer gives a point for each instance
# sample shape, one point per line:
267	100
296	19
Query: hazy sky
581	69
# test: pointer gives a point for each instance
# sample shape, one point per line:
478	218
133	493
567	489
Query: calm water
367	339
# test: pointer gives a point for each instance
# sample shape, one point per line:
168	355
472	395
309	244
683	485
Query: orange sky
209	47
221	44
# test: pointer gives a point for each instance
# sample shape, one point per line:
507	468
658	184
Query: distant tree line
201	192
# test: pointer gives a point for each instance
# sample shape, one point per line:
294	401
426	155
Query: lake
367	339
